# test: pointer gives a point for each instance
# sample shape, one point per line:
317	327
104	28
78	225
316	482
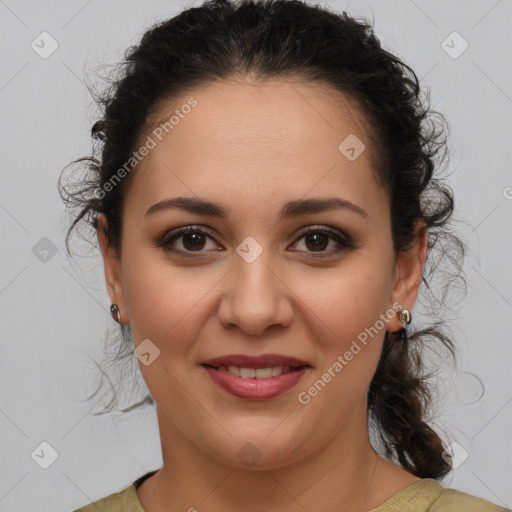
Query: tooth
258	373
247	373
264	373
235	370
276	371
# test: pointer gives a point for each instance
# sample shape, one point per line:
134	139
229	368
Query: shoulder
122	501
428	495
451	499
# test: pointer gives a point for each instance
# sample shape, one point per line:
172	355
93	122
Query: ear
112	267
408	273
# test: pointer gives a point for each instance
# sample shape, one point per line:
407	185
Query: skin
253	147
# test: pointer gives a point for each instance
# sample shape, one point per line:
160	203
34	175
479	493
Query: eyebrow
289	210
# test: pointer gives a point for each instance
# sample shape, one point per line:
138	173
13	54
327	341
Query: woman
265	204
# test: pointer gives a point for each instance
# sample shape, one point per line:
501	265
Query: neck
345	474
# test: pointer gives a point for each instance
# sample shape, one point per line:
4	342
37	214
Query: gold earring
404	316
115	313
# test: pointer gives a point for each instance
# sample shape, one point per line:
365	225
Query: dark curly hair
223	40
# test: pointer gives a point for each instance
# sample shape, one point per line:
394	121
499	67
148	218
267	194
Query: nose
255	295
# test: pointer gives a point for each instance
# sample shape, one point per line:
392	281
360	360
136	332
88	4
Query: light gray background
53	313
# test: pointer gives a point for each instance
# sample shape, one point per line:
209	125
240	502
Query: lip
255	389
261	361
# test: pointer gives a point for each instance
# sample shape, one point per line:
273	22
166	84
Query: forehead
272	139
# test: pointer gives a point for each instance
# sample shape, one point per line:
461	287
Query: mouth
257	373
256	378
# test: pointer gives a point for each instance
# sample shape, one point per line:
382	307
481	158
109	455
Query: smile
256	383
255	373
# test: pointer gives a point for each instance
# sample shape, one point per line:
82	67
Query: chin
261	452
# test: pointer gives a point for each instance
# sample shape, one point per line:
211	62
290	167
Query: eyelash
172	236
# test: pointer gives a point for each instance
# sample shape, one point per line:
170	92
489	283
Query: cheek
164	303
349	340
352	306
348	302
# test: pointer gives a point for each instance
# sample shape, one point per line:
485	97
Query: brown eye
193	241
317	239
192	238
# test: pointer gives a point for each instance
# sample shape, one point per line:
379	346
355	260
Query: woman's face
250	282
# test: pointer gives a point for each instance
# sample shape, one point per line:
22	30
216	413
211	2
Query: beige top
425	495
